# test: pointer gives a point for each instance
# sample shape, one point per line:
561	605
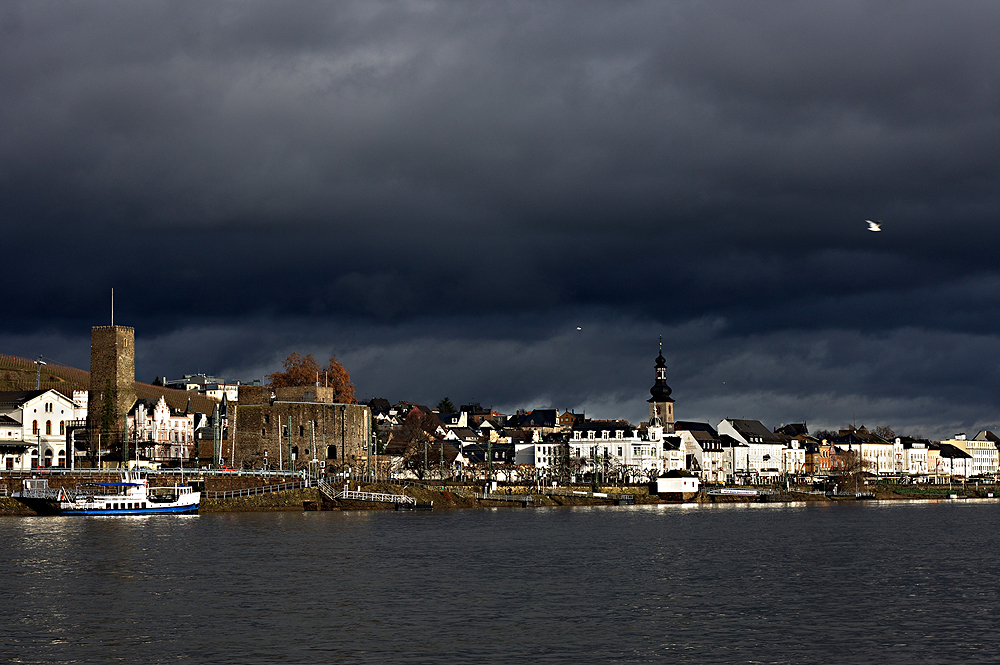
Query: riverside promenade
230	491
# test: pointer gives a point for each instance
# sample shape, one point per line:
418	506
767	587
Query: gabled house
160	432
818	457
702	450
36	422
877	454
913	455
764	447
567	419
735	458
952	461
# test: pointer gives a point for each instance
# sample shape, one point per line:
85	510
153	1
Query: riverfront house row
736	450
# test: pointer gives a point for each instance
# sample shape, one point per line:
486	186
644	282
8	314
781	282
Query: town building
952	462
33	428
703	450
160	433
762	448
877	455
203	384
913	454
982	448
300	427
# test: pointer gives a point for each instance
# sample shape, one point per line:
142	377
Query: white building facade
35	428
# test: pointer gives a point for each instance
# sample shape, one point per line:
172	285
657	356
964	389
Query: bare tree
885	432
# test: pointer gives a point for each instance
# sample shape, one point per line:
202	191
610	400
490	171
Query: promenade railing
262	489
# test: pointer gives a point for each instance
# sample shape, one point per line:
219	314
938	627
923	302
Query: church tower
661	406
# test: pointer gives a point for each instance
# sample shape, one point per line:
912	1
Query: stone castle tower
661	406
112	381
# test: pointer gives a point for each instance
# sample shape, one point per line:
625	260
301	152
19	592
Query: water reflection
786	583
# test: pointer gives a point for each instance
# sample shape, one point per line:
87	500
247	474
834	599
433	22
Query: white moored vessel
130	496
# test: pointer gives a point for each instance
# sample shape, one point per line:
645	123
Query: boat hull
166	510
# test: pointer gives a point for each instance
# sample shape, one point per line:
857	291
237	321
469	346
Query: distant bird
874	226
579	328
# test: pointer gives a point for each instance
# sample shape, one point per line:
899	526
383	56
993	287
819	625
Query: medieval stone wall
297	431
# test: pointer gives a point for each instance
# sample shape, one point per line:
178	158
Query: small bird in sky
579	328
874	226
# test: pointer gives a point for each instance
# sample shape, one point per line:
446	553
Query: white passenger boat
132	495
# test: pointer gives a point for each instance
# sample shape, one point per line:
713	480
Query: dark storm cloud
457	181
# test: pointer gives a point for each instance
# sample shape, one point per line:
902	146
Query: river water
893	582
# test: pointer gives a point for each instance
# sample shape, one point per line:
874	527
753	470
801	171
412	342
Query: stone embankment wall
13	482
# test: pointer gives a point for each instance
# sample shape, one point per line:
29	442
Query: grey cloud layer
385	163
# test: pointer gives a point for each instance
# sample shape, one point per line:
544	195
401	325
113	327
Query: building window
302	430
62	427
34	427
331	452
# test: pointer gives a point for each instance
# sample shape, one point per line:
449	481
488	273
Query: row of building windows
605	434
48	427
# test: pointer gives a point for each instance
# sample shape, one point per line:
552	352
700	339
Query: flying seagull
874	226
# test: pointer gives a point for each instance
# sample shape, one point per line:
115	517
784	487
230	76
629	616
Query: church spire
661	406
660	391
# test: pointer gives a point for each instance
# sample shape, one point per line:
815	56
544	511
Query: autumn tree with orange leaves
305	371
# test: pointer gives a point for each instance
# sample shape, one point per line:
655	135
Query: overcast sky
509	202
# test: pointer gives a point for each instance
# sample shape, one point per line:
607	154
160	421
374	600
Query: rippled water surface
860	583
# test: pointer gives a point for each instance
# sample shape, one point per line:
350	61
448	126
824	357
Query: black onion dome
660	391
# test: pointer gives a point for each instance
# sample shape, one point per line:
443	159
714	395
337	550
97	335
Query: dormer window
576	436
590	435
618	434
604	434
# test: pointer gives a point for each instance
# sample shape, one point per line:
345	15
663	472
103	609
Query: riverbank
464	497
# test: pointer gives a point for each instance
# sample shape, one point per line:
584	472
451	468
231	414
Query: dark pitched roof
538	418
379	405
793	429
17	397
948	450
692	426
730	442
603	425
861	435
755	428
